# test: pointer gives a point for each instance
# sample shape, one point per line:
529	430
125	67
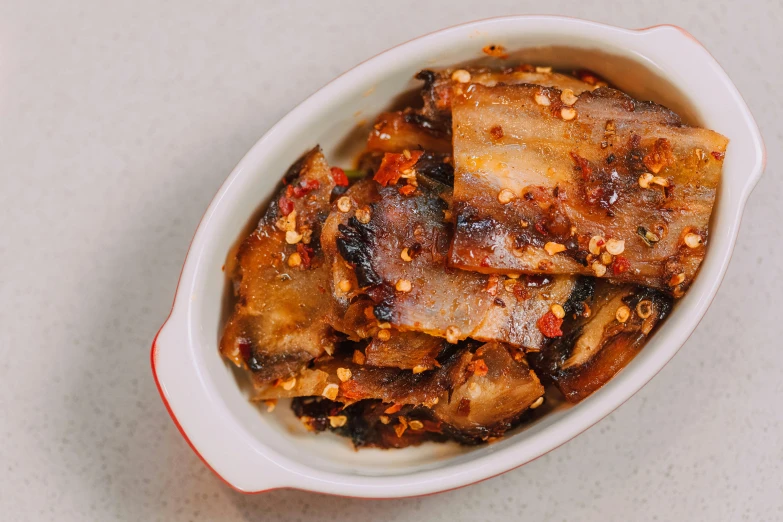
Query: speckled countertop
119	121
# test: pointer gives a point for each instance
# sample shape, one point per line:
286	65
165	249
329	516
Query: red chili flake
620	264
393	165
407	190
478	367
353	390
520	292
244	349
540	228
339	177
464	407
492	285
394	408
485	261
660	156
549	325
587	76
496	132
582	165
286	205
718	155
495	51
306	253
305	186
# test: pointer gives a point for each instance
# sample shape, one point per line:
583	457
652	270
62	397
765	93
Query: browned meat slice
397	131
344	380
367	424
408	130
349	311
493	398
605	332
596	184
282	282
438	90
398	246
405	350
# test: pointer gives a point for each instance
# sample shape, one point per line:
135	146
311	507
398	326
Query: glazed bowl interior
338	119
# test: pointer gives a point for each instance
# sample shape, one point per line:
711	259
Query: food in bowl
522	227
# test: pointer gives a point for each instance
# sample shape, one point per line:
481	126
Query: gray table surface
119	121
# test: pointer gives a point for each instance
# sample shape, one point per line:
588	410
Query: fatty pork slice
346	380
400	130
603	334
405	350
596	184
397	247
351	312
439	86
281	280
408	130
500	389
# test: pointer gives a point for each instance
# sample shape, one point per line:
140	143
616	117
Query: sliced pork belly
397	131
396	245
595	184
500	389
603	333
405	350
281	280
438	90
346	380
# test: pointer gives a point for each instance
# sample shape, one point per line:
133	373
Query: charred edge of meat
435	128
428	77
338	191
480	434
369	162
663	303
583	290
433	166
633	105
363	425
547	362
383	310
471	225
354	244
274	366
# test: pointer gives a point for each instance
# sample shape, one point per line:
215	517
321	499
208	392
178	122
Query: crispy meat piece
438	91
405	350
441	301
531	200
596	344
397	131
390	385
347	311
277	325
491	401
367	424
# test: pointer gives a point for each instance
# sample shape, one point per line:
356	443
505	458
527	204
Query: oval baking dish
255	452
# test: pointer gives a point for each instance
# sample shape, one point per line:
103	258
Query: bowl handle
210	431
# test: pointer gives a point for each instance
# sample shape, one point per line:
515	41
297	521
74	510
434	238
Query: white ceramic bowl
256	452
